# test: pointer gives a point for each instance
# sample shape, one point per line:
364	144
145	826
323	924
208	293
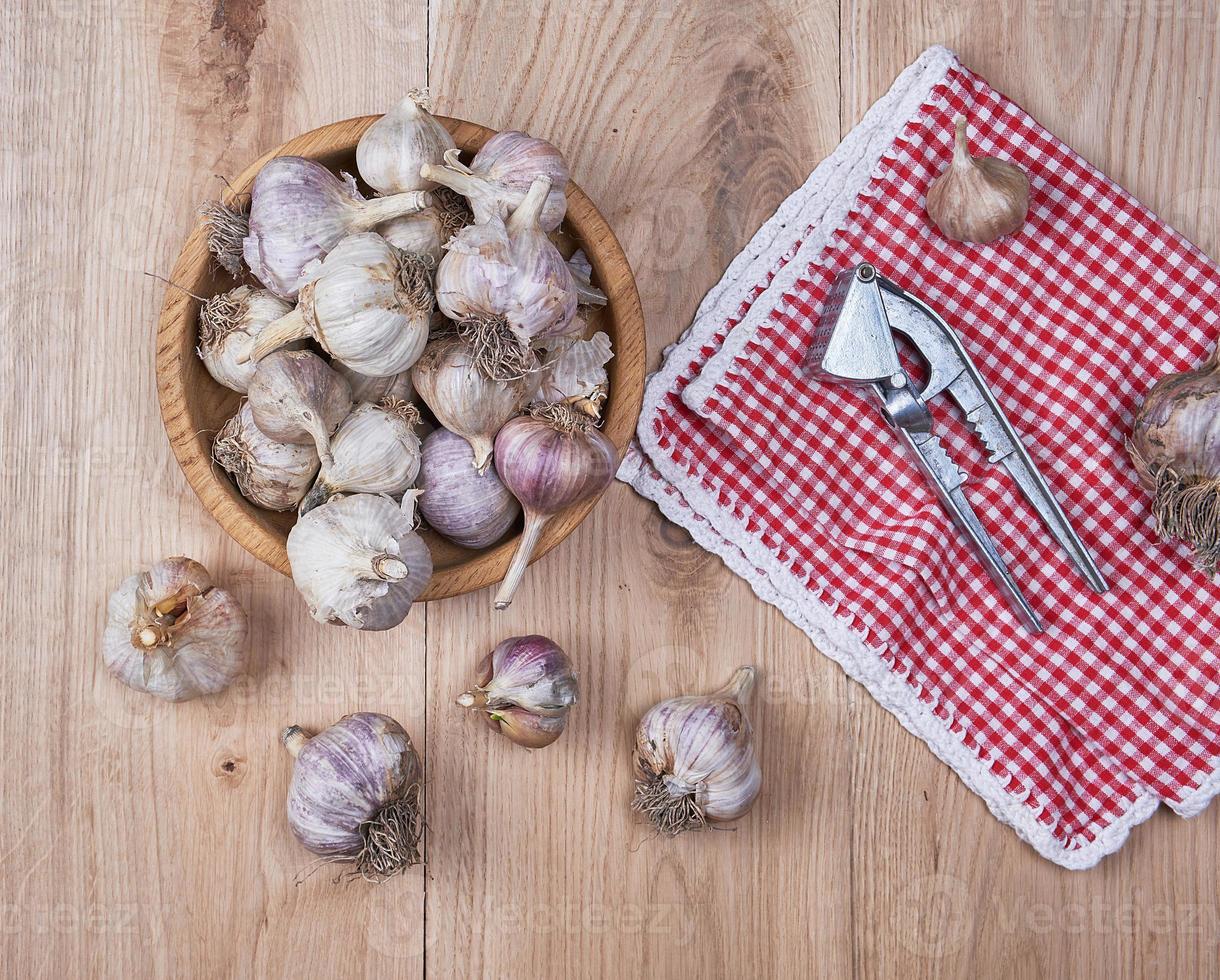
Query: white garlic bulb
295	397
501	173
375	450
506	286
367	305
426	232
392	150
695	761
228	326
274	475
357	560
366	388
172	634
464	399
575	374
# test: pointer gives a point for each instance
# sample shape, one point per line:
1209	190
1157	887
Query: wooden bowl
194	407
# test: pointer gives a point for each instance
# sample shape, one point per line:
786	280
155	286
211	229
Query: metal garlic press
854	344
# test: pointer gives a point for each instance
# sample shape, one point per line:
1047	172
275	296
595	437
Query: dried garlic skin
978	199
273	475
471	508
1175	447
355	793
694	758
172	634
576	374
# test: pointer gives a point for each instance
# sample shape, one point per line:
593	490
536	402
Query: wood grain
149	839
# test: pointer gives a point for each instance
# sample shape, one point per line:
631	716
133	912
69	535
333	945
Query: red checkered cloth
1072	736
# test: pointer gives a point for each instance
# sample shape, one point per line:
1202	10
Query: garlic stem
472	699
529	211
961	144
389	568
461	181
149	636
378	210
741	685
278	333
534	523
294	739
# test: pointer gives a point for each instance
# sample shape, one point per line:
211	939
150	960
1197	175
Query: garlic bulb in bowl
428	231
374	450
367	305
366	388
471	508
273	475
392	150
295	397
172	634
357	560
228	326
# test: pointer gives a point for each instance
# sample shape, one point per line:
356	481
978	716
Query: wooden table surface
143	838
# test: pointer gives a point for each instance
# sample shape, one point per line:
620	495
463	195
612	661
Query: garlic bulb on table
355	793
426	232
1175	446
274	475
526	688
471	508
506	286
294	397
374	450
392	150
550	459
299	211
357	560
172	634
366	388
367	304
978	199
464	399
694	759
228	326
501	174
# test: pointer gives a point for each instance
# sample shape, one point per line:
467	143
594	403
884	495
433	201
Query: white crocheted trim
823	617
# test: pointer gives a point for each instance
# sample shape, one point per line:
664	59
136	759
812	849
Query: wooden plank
145	838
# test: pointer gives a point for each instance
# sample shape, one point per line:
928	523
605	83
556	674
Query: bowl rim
177	332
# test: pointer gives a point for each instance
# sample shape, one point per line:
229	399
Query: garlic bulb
392	150
426	232
582	277
227	228
525	690
366	388
464	399
576	375
978	199
228	326
469	508
375	450
694	759
550	459
172	634
500	176
294	397
367	305
1175	446
355	793
357	560
274	475
299	211
506	286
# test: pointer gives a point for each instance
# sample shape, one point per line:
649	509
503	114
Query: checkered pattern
1070	322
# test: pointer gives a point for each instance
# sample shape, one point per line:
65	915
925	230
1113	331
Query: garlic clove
172	634
525	728
273	475
229	324
471	508
392	150
294	397
358	561
978	199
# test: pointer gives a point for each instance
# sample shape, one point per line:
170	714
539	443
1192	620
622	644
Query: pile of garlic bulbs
382	342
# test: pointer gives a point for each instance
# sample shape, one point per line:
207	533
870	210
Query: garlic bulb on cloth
501	174
1175	446
367	305
426	232
354	794
525	690
172	634
978	199
469	507
392	150
464	399
374	450
357	560
299	211
295	397
694	759
506	286
274	475
228	326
